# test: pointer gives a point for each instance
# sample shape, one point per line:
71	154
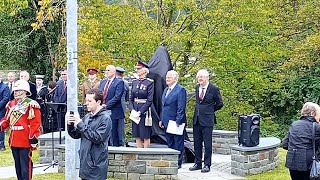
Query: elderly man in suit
113	88
4	99
174	100
208	101
26	76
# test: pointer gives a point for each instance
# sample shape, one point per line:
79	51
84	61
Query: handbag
315	167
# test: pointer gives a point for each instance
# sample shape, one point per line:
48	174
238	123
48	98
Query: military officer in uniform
141	100
23	117
41	95
91	83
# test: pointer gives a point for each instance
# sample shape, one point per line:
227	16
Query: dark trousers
117	137
2	139
22	162
300	175
176	142
202	134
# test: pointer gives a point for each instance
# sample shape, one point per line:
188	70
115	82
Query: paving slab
10	171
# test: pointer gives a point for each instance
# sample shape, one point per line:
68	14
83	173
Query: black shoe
194	167
205	169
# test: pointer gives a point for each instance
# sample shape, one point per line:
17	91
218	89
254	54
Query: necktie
10	87
65	85
201	94
106	87
168	92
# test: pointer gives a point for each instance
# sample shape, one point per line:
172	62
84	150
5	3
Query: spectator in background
208	101
298	142
4	99
91	83
113	88
141	100
24	75
41	95
94	130
174	101
47	127
60	96
11	76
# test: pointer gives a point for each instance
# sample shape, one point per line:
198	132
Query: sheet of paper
173	129
135	116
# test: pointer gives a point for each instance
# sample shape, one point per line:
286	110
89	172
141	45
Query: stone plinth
138	163
221	140
255	160
47	143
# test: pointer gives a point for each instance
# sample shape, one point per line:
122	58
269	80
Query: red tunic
24	122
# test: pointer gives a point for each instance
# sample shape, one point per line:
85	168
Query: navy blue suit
4	99
203	121
174	108
60	96
113	103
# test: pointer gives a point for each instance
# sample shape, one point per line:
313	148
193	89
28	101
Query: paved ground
9	172
220	170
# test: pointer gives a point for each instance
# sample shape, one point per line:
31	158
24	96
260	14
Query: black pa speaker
249	130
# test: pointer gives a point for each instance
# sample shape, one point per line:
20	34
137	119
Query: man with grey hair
174	100
24	75
208	101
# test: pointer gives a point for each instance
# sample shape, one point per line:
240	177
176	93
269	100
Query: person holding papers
173	114
140	102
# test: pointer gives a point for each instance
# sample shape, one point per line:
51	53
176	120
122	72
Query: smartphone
71	115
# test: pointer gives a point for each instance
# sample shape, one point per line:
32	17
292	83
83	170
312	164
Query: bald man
113	89
24	75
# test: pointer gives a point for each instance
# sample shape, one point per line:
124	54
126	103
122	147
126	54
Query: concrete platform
9	172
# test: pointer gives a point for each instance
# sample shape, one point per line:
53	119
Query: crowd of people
104	125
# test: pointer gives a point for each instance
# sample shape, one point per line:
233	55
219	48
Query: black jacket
298	142
94	132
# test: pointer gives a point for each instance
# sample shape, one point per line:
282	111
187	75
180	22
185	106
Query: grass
50	176
7	158
280	173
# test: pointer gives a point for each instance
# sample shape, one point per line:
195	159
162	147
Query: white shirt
205	89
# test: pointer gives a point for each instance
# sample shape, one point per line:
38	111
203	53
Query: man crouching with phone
94	129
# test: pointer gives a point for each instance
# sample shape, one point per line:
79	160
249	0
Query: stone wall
137	163
45	146
222	141
255	160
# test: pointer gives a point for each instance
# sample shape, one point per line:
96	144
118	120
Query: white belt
136	100
17	128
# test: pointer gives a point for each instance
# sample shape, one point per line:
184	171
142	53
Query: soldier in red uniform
23	118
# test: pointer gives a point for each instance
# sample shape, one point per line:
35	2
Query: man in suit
4	99
24	75
11	76
113	88
174	100
60	96
208	101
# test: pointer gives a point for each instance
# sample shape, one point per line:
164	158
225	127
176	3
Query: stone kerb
221	140
255	160
45	146
138	163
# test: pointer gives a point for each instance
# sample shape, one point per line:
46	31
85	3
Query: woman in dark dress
141	100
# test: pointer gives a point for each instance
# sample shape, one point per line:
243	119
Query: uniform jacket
113	99
174	105
206	109
141	89
4	98
87	85
24	116
60	95
94	132
298	142
33	90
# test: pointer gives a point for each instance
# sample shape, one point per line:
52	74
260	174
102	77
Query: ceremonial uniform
41	96
141	100
87	85
24	122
